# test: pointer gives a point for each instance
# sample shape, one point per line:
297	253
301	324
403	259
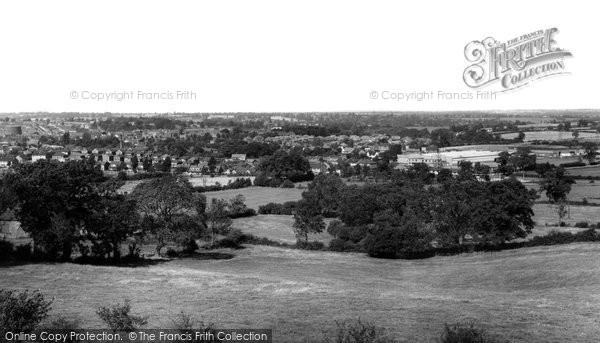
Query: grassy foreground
542	294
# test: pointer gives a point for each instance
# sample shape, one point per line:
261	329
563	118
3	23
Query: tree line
68	207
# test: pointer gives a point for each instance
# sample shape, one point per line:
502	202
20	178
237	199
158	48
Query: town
319	208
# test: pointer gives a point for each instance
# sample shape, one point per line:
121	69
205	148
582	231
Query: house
37	156
238	157
4	162
58	156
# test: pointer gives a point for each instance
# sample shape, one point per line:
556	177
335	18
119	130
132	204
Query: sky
278	56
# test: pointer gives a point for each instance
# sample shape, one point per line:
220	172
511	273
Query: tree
591	151
557	185
161	201
325	189
52	202
147	164
134	163
393	236
22	312
522	159
166	164
307	219
111	223
119	318
217	219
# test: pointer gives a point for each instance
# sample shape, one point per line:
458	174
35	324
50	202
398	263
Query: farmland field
542	294
256	196
552	136
581	189
587	171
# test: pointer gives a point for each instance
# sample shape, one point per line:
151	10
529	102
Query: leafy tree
522	159
393	236
217	219
22	312
119	318
591	151
134	163
307	219
557	185
161	201
444	175
334	227
111	223
282	165
503	211
466	171
166	164
326	189
52	202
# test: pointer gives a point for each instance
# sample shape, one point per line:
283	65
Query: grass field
542	294
587	171
581	189
256	196
276	227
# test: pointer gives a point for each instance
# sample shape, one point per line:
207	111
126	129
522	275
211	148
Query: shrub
287	208
465	334
340	245
23	252
572	164
172	253
334	227
248	212
185	323
359	332
188	245
6	250
22	311
583	225
233	240
118	317
310	245
287	184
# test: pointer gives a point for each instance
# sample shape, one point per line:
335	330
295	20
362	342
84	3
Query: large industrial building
448	159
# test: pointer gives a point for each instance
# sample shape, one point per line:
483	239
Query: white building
448	159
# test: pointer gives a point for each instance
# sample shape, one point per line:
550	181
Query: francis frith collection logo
514	63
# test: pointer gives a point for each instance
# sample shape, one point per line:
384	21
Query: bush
185	323
334	227
62	323
287	184
23	252
248	212
340	245
22	311
310	245
233	240
582	225
118	317
358	332
172	253
188	245
287	208
6	251
465	334
572	164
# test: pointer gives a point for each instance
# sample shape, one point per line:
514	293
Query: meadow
542	294
256	196
552	136
277	228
